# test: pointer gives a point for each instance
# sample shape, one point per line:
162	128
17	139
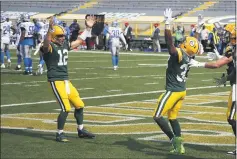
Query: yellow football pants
63	98
231	111
169	103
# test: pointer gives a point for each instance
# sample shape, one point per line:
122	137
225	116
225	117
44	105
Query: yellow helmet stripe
62	29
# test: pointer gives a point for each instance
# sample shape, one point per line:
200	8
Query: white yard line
118	90
150	83
95	78
80	89
105	96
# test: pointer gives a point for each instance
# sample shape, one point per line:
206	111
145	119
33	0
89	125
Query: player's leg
113	53
117	57
2	56
40	69
165	103
231	113
19	58
75	99
7	52
172	116
158	45
58	88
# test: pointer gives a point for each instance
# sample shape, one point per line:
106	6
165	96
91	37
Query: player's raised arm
48	38
89	22
168	36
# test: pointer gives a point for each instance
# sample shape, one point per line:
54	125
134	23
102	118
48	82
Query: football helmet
230	33
3	19
26	17
191	46
114	24
57	33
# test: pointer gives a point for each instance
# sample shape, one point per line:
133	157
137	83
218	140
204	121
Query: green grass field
119	107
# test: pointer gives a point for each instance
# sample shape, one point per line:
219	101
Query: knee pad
231	121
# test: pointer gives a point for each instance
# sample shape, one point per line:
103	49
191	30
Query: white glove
214	55
194	63
168	16
126	46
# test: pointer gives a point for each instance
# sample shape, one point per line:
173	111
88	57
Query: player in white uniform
43	31
115	33
26	42
18	36
6	26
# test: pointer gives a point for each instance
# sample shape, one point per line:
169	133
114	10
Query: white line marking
80	89
158	65
105	96
150	83
118	90
95	78
34	85
207	80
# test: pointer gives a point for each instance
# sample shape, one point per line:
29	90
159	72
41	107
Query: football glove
194	63
220	81
168	16
214	55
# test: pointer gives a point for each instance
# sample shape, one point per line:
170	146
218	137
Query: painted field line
105	96
95	78
150	83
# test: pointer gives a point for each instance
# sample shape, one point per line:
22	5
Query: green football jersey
56	62
176	71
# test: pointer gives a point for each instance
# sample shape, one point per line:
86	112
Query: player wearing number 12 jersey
55	52
171	101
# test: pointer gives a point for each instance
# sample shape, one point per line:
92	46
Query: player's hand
168	16
220	81
214	55
90	21
194	63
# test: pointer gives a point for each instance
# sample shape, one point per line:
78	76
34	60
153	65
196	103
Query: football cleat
115	68
3	65
8	63
231	152
85	134
61	137
18	68
177	143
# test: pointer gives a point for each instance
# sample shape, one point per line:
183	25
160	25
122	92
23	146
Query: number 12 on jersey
63	56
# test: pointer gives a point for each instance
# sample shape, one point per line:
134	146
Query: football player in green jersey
55	52
171	101
228	59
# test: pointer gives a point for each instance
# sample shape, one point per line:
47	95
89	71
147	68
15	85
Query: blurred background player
115	33
128	35
42	34
6	27
27	42
18	36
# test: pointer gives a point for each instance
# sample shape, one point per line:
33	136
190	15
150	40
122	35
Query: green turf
93	75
